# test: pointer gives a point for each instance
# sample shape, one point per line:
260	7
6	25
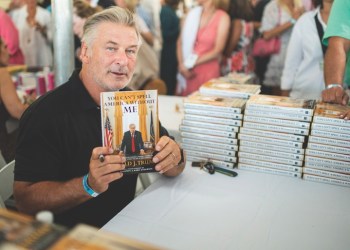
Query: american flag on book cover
108	133
152	139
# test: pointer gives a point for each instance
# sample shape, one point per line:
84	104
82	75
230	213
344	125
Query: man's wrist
334	85
87	188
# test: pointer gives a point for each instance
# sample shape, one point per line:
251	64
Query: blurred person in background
303	70
337	63
170	24
9	35
201	43
278	20
10	106
238	49
35	34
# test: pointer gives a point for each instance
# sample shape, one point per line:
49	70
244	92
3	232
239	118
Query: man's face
132	129
111	58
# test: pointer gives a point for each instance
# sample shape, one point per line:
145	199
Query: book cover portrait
130	127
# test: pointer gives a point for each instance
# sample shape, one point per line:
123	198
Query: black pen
225	171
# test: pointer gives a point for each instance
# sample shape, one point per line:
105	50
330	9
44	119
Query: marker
101	158
225	171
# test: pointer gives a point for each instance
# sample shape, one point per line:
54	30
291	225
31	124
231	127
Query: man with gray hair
58	163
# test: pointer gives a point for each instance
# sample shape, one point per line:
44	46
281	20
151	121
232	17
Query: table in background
252	211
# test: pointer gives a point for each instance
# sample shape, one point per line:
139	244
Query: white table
251	211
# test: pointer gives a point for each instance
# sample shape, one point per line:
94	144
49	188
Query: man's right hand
103	173
335	95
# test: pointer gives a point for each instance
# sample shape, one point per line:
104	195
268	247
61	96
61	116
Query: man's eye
111	49
131	52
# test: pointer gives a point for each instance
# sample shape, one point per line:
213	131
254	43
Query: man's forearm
49	195
335	60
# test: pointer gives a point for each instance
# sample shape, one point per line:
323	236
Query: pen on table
101	158
225	171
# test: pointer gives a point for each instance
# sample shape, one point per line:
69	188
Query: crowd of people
58	164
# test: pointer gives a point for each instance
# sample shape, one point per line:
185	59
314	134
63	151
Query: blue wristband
87	188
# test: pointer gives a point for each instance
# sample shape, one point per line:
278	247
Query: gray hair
115	15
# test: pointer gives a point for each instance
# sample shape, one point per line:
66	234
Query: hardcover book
269	141
265	133
267	164
214	103
220	88
276	128
214	120
328	174
280	115
213	126
330	128
211	113
325	162
328	113
268	170
209	138
281	104
276	121
270	158
310	177
329	141
130	127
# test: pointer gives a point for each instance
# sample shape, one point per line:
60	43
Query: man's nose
121	58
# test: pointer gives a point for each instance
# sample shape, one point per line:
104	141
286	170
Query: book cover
213	113
276	128
26	233
130	127
270	159
213	126
328	174
328	113
210	138
328	148
276	121
270	141
263	145
267	164
281	104
227	89
328	155
329	141
214	103
316	178
268	170
215	120
280	115
276	135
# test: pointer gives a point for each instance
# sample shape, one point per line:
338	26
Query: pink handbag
264	47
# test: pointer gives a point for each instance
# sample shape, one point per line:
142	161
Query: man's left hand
168	157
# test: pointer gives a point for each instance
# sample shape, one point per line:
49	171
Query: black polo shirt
55	142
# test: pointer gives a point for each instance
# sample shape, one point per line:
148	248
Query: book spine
213	113
276	108
269	165
328	155
211	156
188	105
268	170
282	136
270	159
184	128
211	126
328	141
216	162
271	147
270	114
276	128
332	135
331	121
270	141
343	170
210	138
331	128
315	178
327	174
215	120
211	144
274	121
270	153
209	149
224	93
323	162
333	149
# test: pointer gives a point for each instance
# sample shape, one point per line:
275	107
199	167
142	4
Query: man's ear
84	58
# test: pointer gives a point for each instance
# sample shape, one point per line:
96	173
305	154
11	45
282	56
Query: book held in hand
130	127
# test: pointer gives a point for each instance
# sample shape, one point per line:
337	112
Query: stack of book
327	157
273	135
225	88
240	78
209	128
